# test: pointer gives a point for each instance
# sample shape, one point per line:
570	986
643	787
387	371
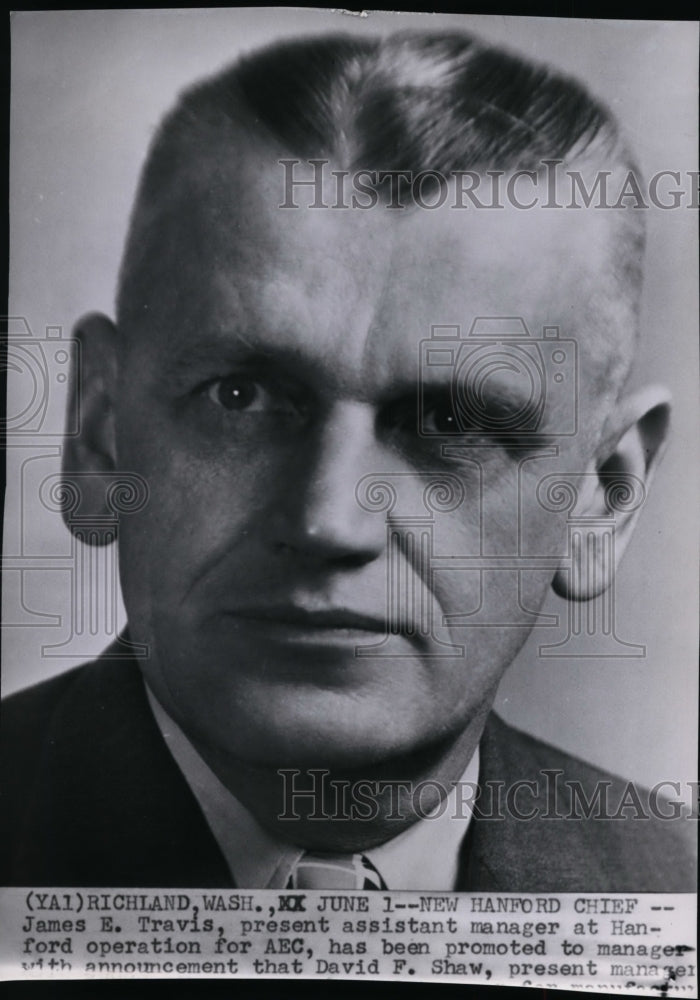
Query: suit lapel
487	848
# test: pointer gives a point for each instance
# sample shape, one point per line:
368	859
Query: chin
336	718
335	747
271	735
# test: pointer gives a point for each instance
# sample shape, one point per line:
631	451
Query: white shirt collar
424	856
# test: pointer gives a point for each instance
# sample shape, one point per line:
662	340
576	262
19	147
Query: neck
346	810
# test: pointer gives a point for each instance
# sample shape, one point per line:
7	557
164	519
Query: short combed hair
407	102
413	102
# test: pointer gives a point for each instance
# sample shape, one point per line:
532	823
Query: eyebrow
500	394
217	351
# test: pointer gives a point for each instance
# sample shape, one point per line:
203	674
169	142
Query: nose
318	515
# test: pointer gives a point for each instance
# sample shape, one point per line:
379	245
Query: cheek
196	508
492	565
192	514
501	515
193	479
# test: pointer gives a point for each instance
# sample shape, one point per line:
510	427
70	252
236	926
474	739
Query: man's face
275	366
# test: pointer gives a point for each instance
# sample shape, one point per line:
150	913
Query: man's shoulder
27	714
553	818
25	720
84	749
572	786
522	755
36	721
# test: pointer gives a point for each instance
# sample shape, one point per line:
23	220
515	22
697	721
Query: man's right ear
90	455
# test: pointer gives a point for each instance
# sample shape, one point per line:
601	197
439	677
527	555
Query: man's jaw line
260	789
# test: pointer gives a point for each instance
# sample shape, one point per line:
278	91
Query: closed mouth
307	620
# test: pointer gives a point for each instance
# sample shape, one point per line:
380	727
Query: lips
305	620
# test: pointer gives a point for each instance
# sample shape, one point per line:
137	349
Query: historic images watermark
550	186
314	795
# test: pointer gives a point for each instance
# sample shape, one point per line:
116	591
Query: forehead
356	288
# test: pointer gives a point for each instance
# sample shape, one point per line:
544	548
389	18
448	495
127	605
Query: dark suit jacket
91	796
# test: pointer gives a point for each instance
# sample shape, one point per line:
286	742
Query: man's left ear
631	446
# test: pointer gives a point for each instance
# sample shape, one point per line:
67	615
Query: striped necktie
335	871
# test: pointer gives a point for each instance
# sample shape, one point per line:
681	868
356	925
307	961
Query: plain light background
88	89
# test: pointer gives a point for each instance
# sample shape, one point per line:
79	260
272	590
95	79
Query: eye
245	394
440	419
435	417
